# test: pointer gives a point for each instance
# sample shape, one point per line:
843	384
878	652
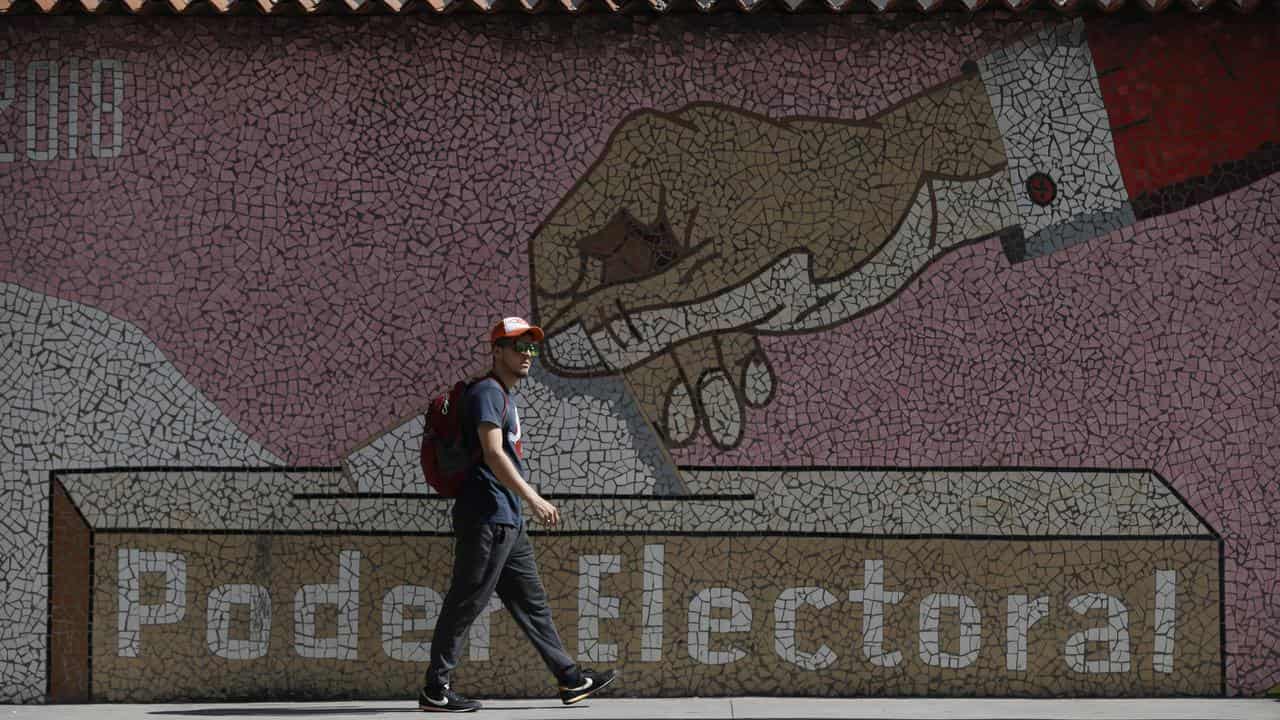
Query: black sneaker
592	682
445	700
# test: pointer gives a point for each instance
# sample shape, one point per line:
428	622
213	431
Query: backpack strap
506	402
506	396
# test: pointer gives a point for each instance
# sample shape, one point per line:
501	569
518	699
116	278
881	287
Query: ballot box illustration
220	583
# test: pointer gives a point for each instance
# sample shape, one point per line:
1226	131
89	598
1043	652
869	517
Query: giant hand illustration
698	231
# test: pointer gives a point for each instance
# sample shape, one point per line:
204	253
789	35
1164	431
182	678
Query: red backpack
445	459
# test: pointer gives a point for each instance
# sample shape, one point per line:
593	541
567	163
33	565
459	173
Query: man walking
492	550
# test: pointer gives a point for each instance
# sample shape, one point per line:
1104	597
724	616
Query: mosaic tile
565	421
1045	94
854	501
85	389
882	357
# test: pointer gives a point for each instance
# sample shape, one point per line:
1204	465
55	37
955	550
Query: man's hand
699	230
544	512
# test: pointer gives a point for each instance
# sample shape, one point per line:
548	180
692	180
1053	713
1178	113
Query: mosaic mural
883	358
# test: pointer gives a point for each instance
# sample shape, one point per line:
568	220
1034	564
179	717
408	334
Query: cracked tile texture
884	357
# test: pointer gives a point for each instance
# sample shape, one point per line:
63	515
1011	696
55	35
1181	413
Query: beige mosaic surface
679	615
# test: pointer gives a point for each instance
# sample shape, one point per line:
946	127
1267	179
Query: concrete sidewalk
743	708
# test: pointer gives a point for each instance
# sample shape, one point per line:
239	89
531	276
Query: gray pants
488	558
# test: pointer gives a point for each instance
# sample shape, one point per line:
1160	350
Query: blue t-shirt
483	499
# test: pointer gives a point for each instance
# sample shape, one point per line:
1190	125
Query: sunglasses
522	346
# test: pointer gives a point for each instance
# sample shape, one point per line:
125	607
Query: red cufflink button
1041	189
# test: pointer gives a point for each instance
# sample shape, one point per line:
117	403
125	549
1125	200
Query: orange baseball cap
514	327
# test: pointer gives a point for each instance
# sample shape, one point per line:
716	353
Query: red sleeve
1194	104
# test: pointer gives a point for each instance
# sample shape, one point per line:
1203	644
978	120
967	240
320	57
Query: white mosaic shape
396	623
651	603
69	372
1166	620
344	595
702	626
995	502
1022	615
131	613
1114	634
874	598
588	436
565	425
218	622
593	606
998	503
198	500
931	630
390	462
1048	105
785	643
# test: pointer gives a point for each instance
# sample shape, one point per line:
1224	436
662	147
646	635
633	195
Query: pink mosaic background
304	210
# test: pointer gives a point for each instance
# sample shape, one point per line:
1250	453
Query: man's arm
500	464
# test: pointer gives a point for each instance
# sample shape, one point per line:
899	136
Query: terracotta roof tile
306	7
